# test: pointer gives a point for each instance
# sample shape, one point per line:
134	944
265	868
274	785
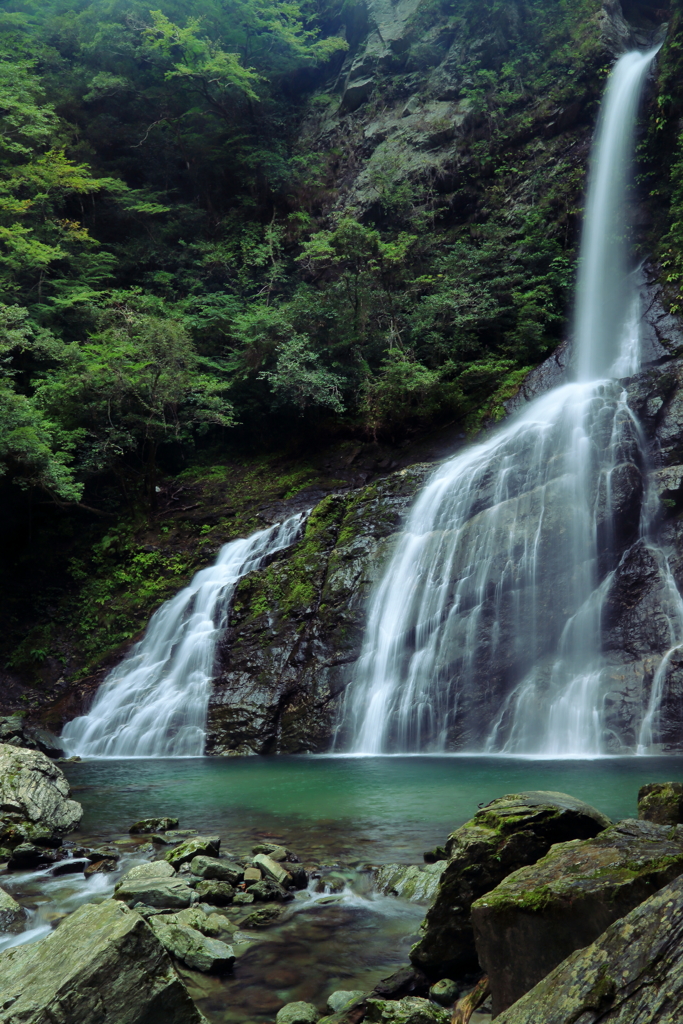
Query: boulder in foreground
103	965
540	914
507	834
633	972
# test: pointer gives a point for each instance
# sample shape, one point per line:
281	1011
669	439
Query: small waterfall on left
154	703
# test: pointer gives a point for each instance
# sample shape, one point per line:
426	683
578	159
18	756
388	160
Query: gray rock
220	894
633	972
341	998
191	848
540	914
35	790
220	870
418	884
272	869
297	1013
103	964
155	892
12	915
508	833
198	951
154	869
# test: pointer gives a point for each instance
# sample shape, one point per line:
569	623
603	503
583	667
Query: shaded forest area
214	263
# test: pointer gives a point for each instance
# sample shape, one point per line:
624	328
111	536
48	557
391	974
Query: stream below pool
339	814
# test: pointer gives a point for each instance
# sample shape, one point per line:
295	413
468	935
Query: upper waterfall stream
154	703
498	585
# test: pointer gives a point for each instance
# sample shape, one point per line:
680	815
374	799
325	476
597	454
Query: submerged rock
103	964
149	825
540	914
35	799
191	848
661	802
263	917
633	972
507	834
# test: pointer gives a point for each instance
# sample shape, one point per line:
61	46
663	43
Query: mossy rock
633	972
510	832
540	914
661	802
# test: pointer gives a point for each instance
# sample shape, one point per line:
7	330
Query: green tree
133	387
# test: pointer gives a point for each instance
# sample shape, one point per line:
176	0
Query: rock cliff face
296	626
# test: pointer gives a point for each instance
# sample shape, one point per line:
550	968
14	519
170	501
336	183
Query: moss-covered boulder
507	834
633	972
540	914
661	802
102	964
207	846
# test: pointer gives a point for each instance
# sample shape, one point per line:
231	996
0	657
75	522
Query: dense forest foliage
207	248
174	261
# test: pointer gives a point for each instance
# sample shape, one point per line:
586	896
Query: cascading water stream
154	703
496	589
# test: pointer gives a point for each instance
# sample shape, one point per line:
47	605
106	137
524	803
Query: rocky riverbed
161	922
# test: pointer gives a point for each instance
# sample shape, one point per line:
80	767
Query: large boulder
633	972
34	799
507	834
103	965
540	914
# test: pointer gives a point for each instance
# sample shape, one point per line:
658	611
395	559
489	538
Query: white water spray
154	703
495	586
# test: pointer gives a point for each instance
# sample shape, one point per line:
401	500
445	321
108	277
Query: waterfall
496	589
154	703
